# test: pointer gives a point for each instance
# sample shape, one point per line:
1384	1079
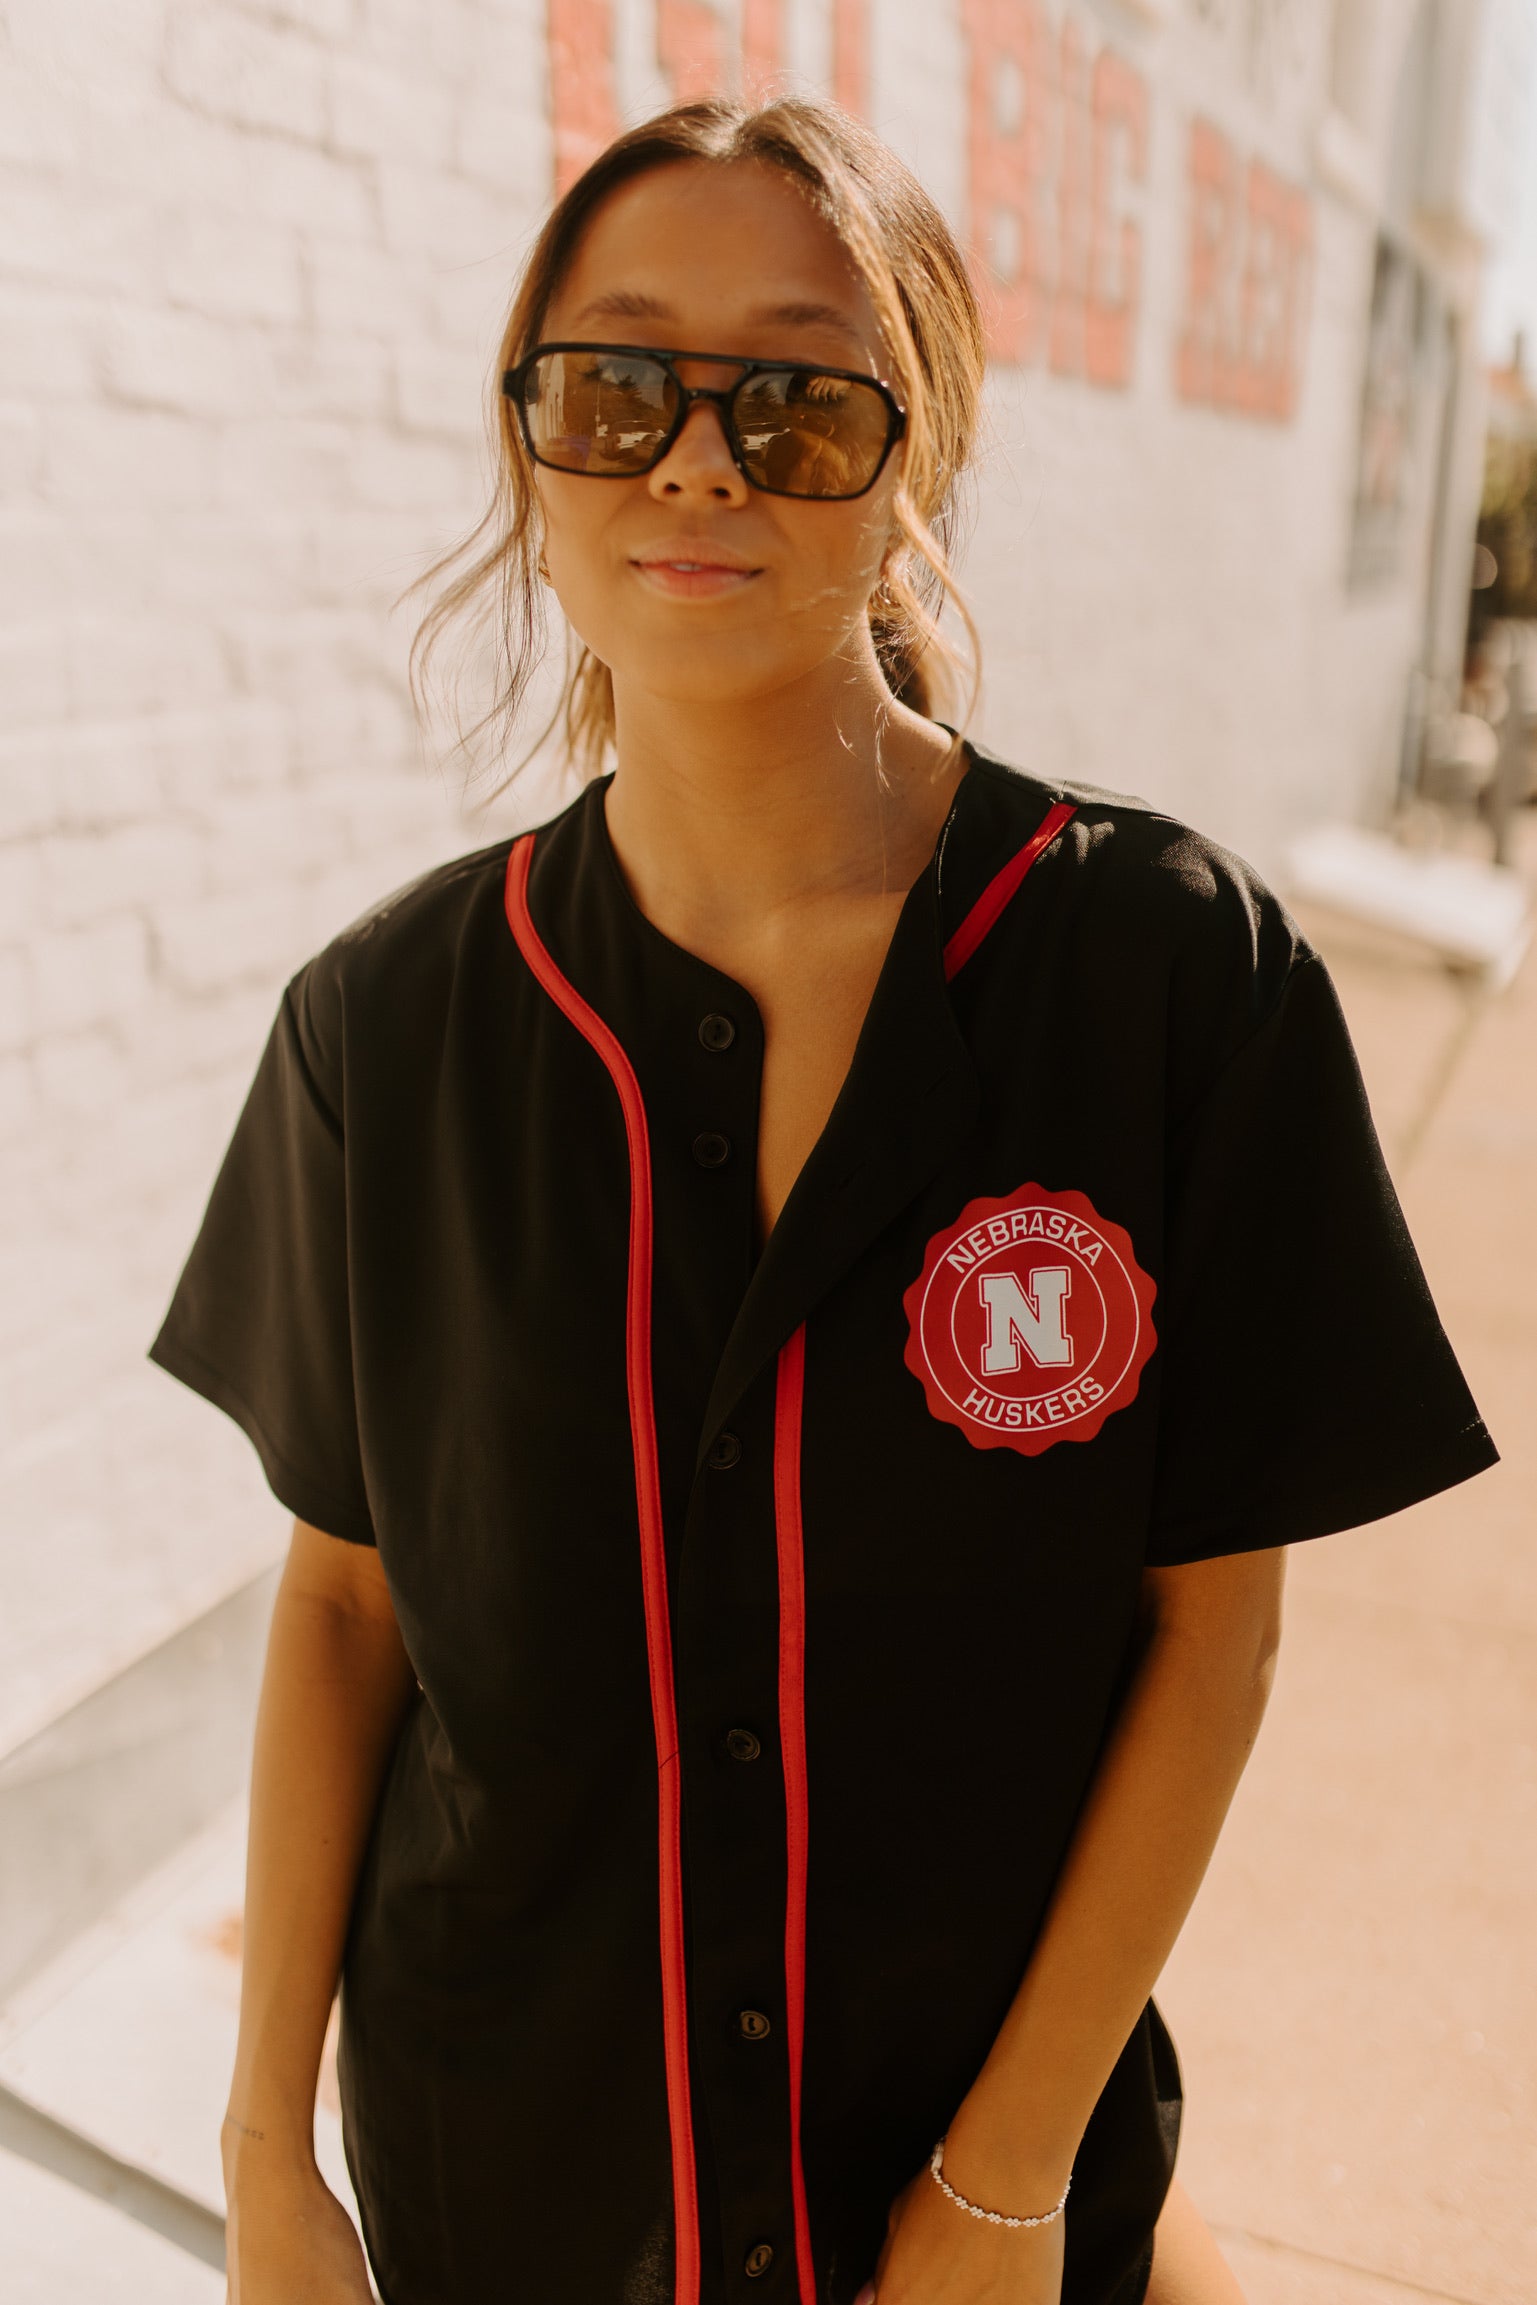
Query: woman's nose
699	462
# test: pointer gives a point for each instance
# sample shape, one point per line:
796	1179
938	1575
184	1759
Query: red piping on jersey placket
988	909
789	1396
653	1561
789	1399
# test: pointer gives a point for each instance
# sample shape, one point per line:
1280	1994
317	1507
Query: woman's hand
936	2255
290	2242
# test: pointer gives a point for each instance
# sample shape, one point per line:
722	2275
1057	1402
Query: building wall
1163	556
252	264
253	256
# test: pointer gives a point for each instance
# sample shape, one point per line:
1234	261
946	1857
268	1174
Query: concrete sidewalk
1355	1994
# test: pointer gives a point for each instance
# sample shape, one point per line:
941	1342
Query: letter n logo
1031	1321
1030	1318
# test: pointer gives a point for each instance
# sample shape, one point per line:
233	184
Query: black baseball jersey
769	1609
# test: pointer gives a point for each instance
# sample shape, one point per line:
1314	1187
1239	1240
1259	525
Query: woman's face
687	581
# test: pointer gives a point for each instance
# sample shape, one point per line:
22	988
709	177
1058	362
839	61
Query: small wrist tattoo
260	2135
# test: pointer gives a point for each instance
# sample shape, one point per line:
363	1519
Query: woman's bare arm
1144	1838
336	1685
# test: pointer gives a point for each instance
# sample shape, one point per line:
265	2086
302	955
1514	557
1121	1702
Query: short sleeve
1307	1385
260	1323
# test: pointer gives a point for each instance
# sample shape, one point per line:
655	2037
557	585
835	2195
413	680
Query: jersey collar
910	1097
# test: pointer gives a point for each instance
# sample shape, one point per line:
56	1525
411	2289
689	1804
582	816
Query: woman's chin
712	685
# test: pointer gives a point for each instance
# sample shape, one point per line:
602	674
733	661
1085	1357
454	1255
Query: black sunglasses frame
514	379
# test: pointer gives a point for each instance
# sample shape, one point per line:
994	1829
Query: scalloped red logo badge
1031	1321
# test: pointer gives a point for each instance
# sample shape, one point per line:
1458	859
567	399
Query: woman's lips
690	576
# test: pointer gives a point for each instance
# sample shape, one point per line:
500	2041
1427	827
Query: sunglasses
611	411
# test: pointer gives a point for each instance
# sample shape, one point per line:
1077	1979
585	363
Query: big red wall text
1058	126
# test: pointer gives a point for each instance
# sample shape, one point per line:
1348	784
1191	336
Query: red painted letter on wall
691	48
1070	289
1115	252
1273	319
583	110
851	55
1011	117
1202	370
763	47
1056	146
1251	237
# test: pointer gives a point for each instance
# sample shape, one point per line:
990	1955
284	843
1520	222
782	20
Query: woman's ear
896	545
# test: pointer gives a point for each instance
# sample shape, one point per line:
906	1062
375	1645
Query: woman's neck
732	820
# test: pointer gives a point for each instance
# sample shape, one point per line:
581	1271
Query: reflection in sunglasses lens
602	412
798	432
809	435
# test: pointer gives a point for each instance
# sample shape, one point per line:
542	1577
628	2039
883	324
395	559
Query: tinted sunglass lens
602	412
805	434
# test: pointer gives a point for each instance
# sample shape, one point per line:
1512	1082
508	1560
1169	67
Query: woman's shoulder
398	951
1143	906
1164	872
402	958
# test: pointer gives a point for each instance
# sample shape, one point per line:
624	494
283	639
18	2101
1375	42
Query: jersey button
758	2260
725	1452
753	2025
742	1745
716	1033
711	1150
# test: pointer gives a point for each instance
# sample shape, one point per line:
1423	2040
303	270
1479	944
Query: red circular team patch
1031	1321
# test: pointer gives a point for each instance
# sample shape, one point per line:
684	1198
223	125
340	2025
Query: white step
64	2247
1468	911
95	1801
128	2038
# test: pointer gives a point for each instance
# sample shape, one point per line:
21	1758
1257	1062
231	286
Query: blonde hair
926	307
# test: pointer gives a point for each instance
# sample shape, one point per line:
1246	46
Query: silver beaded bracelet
989	2216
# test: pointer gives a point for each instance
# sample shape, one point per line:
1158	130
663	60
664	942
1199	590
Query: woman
797	1309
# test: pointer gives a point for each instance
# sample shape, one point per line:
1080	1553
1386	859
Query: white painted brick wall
240	403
